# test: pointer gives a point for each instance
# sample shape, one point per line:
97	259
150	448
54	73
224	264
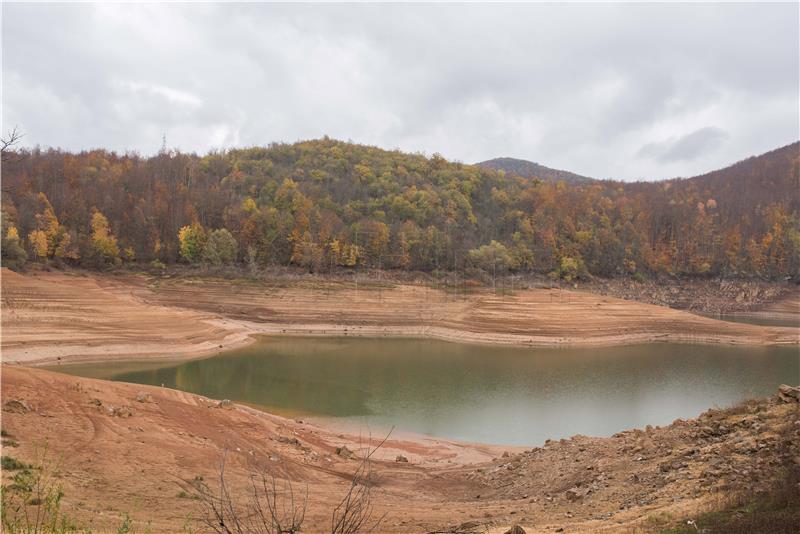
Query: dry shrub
274	506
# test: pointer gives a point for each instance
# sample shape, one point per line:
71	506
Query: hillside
325	205
529	169
758	174
745	193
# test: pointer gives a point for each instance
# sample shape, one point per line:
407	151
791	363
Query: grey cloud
687	148
578	87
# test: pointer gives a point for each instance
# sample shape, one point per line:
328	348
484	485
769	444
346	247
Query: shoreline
55	317
251	335
235	424
170	436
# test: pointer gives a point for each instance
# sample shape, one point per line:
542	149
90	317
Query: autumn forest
327	205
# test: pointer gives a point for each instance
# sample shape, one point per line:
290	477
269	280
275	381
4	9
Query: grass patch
12	464
32	503
185	495
772	513
659	519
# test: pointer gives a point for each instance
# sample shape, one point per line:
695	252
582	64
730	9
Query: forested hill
529	169
326	204
757	180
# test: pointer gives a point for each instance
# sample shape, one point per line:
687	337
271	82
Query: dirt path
48	317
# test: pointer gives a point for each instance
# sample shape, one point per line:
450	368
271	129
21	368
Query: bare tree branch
354	512
274	507
7	143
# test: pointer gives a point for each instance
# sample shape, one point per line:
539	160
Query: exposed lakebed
478	393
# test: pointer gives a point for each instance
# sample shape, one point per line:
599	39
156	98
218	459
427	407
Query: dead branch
7	143
273	506
355	512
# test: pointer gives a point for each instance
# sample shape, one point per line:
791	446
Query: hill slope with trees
529	169
325	204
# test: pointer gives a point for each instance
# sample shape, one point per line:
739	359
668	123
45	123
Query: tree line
326	205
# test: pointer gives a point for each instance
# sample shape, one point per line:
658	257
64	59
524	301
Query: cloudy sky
623	91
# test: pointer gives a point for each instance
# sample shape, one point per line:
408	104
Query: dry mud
50	317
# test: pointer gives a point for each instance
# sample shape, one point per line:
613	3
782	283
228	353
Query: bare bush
355	512
274	506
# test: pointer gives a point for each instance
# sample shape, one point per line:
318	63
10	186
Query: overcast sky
620	91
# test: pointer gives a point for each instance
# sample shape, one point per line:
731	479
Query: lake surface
764	320
502	395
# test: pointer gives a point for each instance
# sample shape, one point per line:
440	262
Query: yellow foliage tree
13	255
103	241
192	241
47	223
38	241
66	249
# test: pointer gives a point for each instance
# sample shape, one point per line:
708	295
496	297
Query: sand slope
48	316
51	316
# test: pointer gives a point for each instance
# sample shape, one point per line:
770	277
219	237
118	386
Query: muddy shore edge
55	317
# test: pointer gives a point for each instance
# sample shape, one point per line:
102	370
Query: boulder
671	465
144	397
789	393
17	406
119	411
516	529
401	458
344	452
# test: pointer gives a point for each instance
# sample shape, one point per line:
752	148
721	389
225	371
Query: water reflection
477	393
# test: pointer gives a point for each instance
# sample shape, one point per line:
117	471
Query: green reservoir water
515	396
749	319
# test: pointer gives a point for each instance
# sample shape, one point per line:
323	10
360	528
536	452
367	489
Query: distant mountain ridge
529	169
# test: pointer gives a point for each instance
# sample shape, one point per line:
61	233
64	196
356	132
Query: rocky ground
770	299
608	481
